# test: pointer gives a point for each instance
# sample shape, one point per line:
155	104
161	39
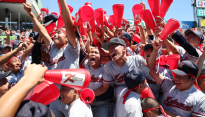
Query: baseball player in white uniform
64	49
128	98
119	66
180	96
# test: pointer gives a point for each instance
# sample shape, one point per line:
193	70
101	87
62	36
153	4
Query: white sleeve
134	110
199	109
106	76
51	47
139	59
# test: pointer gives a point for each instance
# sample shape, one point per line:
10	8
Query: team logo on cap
181	65
72	78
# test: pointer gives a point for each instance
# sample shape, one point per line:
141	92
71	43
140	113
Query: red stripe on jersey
198	113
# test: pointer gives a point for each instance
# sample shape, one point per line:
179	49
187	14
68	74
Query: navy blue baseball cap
148	46
33	109
199	34
50	18
34	35
114	41
127	36
16	44
186	68
135	76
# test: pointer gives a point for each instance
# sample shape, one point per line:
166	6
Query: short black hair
149	103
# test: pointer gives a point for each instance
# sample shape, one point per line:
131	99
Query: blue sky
180	9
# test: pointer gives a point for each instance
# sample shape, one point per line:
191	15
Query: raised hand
27	8
160	21
156	44
7	32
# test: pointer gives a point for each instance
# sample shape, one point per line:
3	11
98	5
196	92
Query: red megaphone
151	4
106	20
88	4
56	14
84	14
50	27
137	29
92	24
87	95
44	11
83	28
99	16
137	10
173	61
148	19
147	92
170	27
60	22
111	20
118	10
44	93
165	4
74	78
136	38
156	9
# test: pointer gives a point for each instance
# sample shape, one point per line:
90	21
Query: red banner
18	1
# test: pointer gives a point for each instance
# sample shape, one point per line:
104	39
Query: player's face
67	94
60	38
148	53
116	52
15	65
193	40
94	58
182	82
4	86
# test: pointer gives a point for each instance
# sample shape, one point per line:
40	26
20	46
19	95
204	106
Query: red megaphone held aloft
44	11
136	38
148	19
170	27
87	95
147	92
92	24
44	93
118	10
99	16
60	22
106	20
156	9
111	20
88	4
50	27
137	10
74	78
173	61
151	4
83	28
165	4
56	14
84	14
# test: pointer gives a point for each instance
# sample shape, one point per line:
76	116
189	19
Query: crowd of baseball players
120	70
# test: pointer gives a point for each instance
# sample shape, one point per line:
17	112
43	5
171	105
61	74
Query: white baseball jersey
96	75
79	109
65	58
182	103
153	85
192	58
115	74
130	51
14	78
132	106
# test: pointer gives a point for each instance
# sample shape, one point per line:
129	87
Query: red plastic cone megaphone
173	61
105	12
151	4
44	93
137	10
118	10
165	4
156	9
147	92
99	16
50	27
106	20
44	11
88	4
111	20
124	22
56	14
137	29
83	28
136	38
92	24
87	95
148	19
74	78
170	27
60	21
84	14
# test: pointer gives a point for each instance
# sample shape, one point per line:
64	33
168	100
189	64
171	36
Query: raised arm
11	100
67	18
152	63
40	29
7	35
